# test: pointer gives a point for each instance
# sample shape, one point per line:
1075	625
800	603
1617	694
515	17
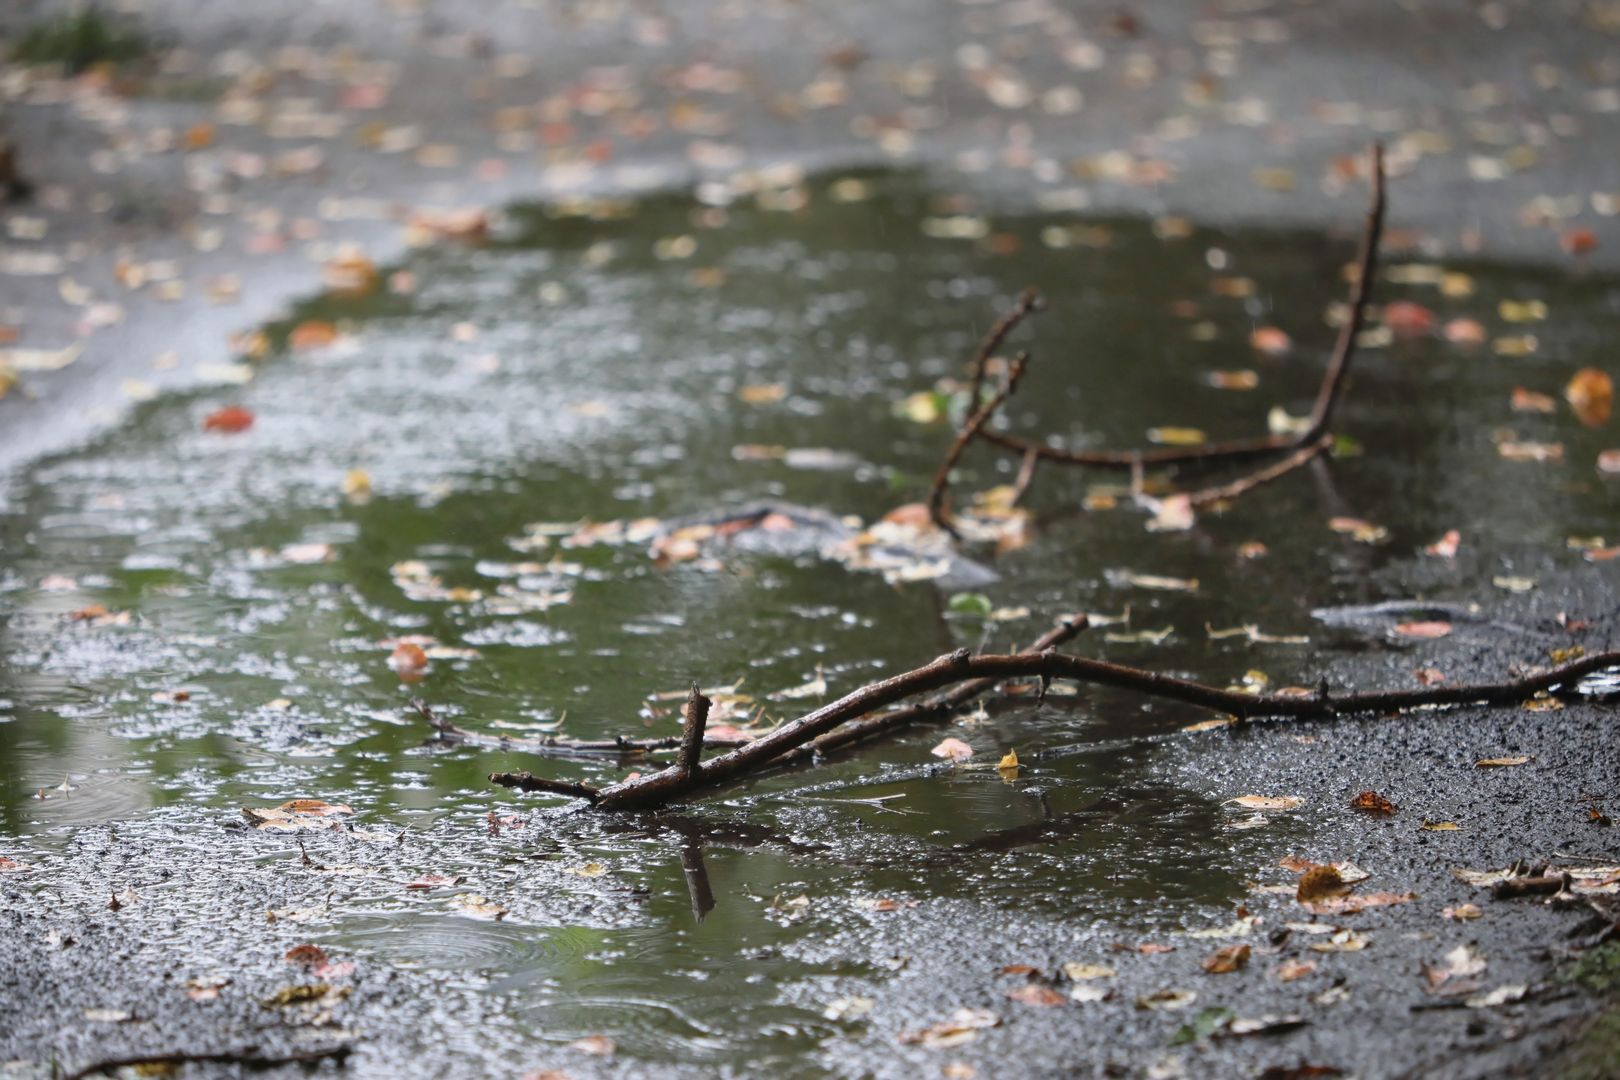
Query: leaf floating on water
1267	802
1292	970
952	749
1152	581
1362	532
1227	960
1008	766
1177	436
296	815
815	688
12	866
433	881
1590	394
1408	320
588	870
1271	341
409	661
762	393
1512	450
974	604
1446	546
476	906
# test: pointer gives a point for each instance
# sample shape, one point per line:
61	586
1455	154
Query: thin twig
970	429
558	746
247	1057
1327	395
690	760
962	666
1026	476
1220	492
1029	300
934	709
523	781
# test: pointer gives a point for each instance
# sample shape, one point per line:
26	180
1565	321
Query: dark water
569	372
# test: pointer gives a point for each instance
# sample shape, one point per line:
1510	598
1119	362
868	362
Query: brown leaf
1320	883
1290	970
1500	762
595	1045
1227	960
1370	802
953	749
1036	994
311	334
1408	320
1429	676
1446	546
1591	394
408	660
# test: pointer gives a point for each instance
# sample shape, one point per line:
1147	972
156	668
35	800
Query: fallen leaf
1577	241
1362	532
953	749
1446	546
1500	762
1590	394
1513	450
1502	995
1408	320
1441	826
1227	960
1083	972
1320	883
962	1027
595	1045
295	815
1292	970
587	870
1008	766
433	881
1370	802
1462	912
311	334
1464	332
408	660
1036	994
476	906
229	420
1267	802
762	393
1529	401
1176	436
1167	1000
1424	629
1341	941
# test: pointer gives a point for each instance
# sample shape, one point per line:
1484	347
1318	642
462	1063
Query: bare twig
936	708
970	428
961	666
1029	300
248	1057
1026	476
690	760
1327	395
523	781
557	746
1231	490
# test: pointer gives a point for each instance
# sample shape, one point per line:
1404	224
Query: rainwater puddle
671	358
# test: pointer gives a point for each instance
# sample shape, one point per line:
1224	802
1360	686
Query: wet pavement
197	620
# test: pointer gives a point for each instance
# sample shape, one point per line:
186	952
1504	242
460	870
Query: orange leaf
1464	332
312	334
1036	994
1320	883
1270	340
1227	960
1577	241
953	749
1591	395
1371	802
1408	320
408	659
230	420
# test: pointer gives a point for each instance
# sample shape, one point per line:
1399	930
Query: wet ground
198	621
568	373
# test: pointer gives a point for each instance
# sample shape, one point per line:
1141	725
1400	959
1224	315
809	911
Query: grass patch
80	41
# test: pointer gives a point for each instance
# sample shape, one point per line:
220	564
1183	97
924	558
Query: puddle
635	365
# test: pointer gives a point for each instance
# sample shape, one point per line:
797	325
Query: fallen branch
690	760
962	666
247	1057
970	428
558	746
1327	395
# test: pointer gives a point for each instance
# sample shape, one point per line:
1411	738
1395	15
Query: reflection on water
670	362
